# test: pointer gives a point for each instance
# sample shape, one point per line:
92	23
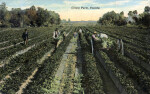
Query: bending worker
101	41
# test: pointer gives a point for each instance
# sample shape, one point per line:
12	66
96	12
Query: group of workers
56	35
105	42
97	38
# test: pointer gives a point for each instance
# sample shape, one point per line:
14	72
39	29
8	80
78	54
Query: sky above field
65	7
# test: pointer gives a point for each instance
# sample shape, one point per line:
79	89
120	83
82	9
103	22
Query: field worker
118	43
80	32
56	34
75	34
94	36
120	46
25	36
93	41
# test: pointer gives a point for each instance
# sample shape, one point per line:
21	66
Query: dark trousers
55	43
79	36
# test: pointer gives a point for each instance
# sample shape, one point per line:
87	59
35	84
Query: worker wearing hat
56	34
79	33
94	36
93	41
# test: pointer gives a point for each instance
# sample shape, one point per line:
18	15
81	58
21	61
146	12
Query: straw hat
95	32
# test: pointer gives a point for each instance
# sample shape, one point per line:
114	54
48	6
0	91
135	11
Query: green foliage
112	18
147	9
28	17
43	81
135	44
146	20
92	81
78	84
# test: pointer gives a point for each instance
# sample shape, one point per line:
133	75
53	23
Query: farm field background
36	69
75	47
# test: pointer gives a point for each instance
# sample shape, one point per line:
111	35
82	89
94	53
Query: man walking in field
80	32
25	36
56	37
75	34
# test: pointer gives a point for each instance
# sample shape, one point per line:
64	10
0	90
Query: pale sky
63	7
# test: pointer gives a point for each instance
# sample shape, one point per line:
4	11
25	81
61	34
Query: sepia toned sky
63	7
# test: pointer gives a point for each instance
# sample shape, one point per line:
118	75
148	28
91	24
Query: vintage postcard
74	46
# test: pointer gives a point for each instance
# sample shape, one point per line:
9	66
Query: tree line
33	17
113	18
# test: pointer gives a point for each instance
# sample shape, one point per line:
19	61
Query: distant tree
42	16
122	13
29	17
135	12
16	14
55	18
112	18
26	20
147	9
133	17
146	20
130	13
4	16
32	15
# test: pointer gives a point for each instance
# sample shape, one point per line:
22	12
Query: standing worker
75	34
120	46
25	36
80	32
94	38
56	37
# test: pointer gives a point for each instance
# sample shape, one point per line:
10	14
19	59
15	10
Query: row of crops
46	73
18	69
139	53
34	39
92	81
23	66
131	69
32	69
134	40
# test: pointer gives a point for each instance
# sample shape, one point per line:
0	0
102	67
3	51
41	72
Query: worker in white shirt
56	34
80	32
